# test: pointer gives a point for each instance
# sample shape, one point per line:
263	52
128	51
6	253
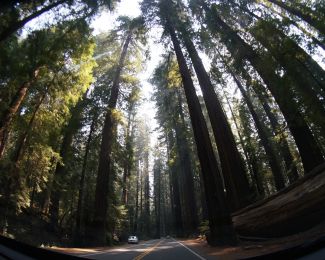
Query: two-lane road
150	250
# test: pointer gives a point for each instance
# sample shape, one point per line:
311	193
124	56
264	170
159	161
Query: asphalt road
169	249
150	250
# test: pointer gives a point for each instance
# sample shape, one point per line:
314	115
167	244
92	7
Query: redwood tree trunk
146	214
102	189
23	138
175	199
309	149
136	214
14	185
284	16
10	4
291	168
221	227
79	234
302	68
187	175
310	18
11	111
14	27
59	174
267	144
249	157
307	75
157	190
233	169
128	158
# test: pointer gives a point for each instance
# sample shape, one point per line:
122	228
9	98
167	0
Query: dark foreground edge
29	251
295	252
38	253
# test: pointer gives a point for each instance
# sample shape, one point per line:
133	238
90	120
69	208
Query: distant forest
240	104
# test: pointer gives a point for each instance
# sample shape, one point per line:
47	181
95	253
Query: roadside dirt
245	249
248	249
82	251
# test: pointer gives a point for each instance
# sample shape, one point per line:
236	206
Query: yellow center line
148	251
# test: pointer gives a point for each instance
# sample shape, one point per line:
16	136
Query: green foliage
71	74
204	227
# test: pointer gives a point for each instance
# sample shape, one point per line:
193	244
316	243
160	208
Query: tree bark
221	228
59	174
291	168
79	213
136	214
262	132
296	208
157	191
309	149
23	138
187	177
250	158
141	203
308	76
185	173
11	111
10	4
128	158
291	21
233	169
302	68
146	215
7	32
98	235
310	17
14	184
176	201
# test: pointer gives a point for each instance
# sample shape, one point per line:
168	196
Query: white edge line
189	249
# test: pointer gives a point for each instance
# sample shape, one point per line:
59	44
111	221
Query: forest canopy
239	103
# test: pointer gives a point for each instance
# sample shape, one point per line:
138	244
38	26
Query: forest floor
80	251
248	249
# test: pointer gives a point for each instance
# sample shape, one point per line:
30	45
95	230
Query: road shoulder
246	249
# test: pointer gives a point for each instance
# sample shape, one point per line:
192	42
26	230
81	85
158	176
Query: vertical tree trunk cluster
16	102
233	134
300	85
309	149
233	169
101	193
158	200
79	236
221	229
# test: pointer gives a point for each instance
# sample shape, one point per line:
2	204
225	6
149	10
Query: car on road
133	240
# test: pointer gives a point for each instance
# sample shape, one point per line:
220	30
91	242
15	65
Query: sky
104	22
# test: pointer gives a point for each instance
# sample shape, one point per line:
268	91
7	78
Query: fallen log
292	210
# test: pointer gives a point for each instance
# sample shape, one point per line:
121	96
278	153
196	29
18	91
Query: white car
133	240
